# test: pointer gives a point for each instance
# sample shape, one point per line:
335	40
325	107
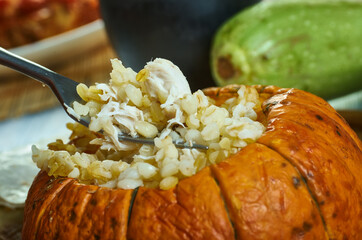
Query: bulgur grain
155	103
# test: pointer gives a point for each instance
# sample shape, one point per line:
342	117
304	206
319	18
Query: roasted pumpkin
300	180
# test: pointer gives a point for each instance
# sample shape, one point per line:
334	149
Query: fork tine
150	141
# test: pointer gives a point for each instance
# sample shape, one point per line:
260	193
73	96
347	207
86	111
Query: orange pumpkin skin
300	180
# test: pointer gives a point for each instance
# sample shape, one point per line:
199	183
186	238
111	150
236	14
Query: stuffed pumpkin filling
154	103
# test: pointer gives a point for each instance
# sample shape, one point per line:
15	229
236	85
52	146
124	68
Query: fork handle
27	67
63	87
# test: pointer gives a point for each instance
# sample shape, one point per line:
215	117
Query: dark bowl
178	30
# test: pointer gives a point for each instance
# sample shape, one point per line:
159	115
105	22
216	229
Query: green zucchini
313	45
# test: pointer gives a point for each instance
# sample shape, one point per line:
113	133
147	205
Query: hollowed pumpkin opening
154	103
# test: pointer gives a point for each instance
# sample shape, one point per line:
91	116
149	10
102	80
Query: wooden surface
22	95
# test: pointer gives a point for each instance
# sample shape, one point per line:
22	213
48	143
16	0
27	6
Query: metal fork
65	90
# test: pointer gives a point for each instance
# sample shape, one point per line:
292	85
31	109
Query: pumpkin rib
192	210
328	122
313	197
263	201
184	208
329	125
44	189
179	202
105	218
221	203
115	213
348	149
308	100
267	108
287	135
65	212
349	169
321	191
309	191
305	182
225	204
45	209
85	225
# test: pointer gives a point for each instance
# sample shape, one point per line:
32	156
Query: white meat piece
166	82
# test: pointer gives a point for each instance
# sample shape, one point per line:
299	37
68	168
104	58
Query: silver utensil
65	90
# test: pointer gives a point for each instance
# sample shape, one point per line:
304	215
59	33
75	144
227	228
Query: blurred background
77	38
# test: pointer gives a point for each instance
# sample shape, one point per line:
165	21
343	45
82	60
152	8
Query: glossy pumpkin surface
300	180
